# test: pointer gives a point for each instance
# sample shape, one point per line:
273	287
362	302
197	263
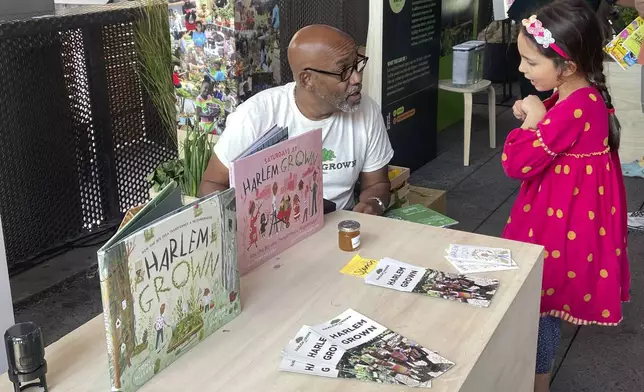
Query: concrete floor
479	197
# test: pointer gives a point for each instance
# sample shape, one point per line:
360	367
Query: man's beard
341	101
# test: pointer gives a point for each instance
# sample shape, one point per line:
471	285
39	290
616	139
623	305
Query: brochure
396	275
354	346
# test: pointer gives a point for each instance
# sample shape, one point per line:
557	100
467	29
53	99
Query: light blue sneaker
633	169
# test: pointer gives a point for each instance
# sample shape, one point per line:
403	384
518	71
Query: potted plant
188	169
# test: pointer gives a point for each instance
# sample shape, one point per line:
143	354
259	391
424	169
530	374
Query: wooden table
467	91
493	348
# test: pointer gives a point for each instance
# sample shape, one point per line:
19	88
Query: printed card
479	255
359	266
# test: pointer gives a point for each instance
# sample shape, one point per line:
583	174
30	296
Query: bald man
327	73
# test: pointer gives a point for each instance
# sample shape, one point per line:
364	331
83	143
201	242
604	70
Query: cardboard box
399	196
433	199
398	176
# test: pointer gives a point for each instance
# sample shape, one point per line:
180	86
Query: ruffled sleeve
527	152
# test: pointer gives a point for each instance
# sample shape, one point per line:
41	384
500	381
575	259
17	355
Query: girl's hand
535	112
533	107
519	114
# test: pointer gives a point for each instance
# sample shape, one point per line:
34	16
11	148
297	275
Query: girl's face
537	68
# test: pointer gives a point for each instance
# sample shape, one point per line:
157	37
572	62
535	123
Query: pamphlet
399	276
354	346
474	259
418	213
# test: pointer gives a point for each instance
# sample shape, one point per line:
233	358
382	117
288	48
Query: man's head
326	64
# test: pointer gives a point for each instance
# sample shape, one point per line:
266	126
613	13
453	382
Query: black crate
77	133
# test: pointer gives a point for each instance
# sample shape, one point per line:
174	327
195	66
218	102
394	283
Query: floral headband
543	36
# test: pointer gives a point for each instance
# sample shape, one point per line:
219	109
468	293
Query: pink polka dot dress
572	201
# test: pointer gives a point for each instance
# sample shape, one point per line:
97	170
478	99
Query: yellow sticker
359	267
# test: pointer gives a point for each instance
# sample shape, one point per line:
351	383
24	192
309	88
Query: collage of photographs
224	51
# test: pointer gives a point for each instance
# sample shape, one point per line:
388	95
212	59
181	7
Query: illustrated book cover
625	47
278	196
353	346
168	279
396	275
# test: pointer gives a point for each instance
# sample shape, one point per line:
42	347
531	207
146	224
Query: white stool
467	92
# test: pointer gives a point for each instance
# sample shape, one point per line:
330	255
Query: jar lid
348	226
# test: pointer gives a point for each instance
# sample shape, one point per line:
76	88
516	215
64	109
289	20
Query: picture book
474	259
353	346
278	197
625	47
168	280
393	274
418	213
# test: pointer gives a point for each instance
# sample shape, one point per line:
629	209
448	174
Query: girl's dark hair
578	31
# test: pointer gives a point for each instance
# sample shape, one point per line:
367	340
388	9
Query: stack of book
353	346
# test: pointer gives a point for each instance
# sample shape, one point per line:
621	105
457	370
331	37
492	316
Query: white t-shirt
353	142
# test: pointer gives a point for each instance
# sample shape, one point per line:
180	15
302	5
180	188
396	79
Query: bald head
319	46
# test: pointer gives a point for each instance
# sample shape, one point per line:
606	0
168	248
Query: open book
168	280
278	183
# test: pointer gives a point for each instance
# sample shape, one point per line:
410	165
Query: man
327	70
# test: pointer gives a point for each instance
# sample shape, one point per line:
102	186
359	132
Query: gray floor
478	196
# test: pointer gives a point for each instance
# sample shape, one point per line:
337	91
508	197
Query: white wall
6	307
500	8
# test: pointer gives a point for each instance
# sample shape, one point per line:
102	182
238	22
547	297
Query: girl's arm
528	152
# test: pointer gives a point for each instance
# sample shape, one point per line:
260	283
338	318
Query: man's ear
306	80
569	69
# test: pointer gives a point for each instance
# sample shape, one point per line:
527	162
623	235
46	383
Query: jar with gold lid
349	235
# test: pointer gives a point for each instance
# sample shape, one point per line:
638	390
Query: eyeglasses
345	74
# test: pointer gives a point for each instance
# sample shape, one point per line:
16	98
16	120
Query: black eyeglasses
345	74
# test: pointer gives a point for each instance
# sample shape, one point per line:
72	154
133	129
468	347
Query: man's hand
370	207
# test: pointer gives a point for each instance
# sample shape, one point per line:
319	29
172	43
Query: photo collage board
224	51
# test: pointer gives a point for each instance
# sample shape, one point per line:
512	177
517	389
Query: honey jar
349	235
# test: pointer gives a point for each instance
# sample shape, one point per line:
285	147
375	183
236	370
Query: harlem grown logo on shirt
327	161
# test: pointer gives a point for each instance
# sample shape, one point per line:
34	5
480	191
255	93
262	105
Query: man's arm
374	184
215	178
239	134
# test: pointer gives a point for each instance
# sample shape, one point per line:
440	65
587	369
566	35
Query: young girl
572	199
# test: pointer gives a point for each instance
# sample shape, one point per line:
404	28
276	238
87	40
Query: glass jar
349	235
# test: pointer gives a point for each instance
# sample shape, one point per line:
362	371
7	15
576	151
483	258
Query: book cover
625	47
167	285
395	275
278	197
418	213
354	346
